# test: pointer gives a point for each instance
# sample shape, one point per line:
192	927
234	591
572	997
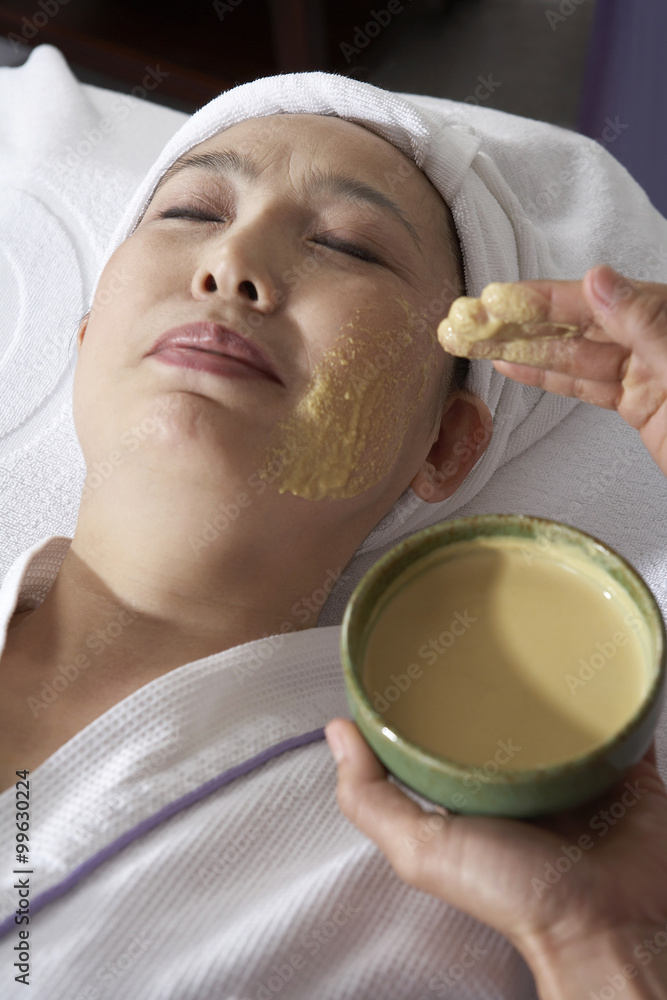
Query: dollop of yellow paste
508	322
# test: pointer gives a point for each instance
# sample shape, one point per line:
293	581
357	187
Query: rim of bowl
475	525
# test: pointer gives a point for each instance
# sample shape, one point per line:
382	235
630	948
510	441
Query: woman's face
319	243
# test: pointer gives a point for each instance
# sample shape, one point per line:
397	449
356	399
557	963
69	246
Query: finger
557	302
431	851
573	303
579	357
604	394
633	313
376	806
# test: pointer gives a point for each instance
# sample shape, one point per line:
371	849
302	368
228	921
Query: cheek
328	303
88	389
117	277
107	347
347	430
138	274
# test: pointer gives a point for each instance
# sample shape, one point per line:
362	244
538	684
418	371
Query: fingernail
608	286
336	745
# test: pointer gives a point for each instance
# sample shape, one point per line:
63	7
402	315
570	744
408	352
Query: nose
238	268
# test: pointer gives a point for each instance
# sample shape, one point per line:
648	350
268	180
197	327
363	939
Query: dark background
597	66
439	47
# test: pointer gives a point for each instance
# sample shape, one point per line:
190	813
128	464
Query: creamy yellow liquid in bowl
506	652
501	643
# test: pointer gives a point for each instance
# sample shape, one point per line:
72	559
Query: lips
211	338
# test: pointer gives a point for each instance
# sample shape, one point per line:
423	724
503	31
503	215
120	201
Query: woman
185	826
189	265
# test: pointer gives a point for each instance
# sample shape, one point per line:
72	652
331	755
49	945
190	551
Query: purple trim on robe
75	876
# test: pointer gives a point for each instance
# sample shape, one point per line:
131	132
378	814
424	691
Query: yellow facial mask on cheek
347	429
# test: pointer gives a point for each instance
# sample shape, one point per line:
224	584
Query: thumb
633	313
377	807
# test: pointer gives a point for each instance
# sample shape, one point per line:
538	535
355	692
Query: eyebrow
229	162
217	162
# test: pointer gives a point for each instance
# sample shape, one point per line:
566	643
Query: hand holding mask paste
508	322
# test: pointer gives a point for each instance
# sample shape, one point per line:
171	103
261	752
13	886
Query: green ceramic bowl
539	790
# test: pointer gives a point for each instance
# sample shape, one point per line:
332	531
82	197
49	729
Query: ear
82	329
466	427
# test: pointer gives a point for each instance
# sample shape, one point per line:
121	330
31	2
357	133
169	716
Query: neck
157	575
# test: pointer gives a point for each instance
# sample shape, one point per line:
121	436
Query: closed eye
342	246
196	214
